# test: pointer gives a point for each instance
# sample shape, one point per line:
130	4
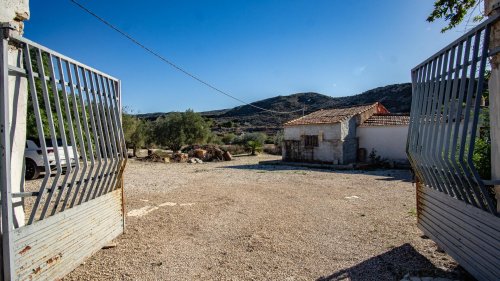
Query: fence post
12	17
492	7
13	107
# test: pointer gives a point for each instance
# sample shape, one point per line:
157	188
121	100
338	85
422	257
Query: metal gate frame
73	213
455	206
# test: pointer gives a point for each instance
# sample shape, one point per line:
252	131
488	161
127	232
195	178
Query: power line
173	64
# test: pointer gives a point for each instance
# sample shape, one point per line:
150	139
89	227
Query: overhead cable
149	50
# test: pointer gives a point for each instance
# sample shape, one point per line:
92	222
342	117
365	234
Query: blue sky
251	49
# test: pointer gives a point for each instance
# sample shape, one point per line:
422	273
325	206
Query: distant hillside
396	98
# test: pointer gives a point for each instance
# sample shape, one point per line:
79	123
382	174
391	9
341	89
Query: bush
228	138
228	124
253	141
278	139
235	149
272	149
214	139
269	140
482	158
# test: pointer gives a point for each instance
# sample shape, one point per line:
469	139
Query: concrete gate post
492	7
13	13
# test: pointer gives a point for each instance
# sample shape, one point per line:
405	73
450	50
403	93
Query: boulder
227	156
194	160
180	157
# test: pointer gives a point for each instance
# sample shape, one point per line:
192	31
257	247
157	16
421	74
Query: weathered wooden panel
51	248
468	234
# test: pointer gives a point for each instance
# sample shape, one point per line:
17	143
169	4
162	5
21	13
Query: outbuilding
384	136
327	136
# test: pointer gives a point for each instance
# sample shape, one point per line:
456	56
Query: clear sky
251	49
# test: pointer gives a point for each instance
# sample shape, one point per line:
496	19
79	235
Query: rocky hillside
396	98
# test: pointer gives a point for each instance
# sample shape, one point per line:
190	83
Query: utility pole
492	8
304	107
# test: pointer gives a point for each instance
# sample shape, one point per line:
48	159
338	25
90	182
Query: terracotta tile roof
330	116
391	119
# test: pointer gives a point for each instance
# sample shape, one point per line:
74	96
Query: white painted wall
388	141
14	12
329	147
14	9
330	131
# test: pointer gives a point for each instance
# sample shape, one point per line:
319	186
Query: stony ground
243	221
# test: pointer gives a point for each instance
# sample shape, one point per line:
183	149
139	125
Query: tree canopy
452	11
178	129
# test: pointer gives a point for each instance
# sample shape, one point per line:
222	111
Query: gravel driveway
242	221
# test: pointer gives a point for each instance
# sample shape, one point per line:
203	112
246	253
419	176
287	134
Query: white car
33	155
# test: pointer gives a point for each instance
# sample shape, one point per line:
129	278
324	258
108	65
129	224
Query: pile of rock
207	153
180	157
190	154
153	157
195	160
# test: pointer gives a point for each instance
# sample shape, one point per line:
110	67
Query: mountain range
396	98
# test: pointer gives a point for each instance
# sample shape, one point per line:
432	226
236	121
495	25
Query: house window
311	141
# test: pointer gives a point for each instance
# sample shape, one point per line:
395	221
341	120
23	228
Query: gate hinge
6	28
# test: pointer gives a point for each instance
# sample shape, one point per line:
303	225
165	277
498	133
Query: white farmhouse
346	135
327	136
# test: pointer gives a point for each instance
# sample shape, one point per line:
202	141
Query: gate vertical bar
5	180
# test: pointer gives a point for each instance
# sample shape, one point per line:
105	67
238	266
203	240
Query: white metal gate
455	203
76	207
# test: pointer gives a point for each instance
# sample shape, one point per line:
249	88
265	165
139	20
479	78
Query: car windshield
48	142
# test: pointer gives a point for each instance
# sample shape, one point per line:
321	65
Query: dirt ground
242	221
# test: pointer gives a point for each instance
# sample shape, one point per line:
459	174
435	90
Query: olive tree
181	128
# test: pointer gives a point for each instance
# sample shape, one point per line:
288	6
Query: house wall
388	141
350	141
337	143
350	136
329	147
330	131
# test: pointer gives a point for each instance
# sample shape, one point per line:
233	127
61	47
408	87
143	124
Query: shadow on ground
270	168
383	174
394	265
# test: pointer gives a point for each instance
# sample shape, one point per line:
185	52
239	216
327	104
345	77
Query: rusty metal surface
49	249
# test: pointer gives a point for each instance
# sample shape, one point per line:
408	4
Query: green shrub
228	138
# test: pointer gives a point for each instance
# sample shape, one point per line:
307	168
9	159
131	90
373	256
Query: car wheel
31	170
